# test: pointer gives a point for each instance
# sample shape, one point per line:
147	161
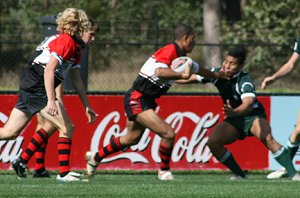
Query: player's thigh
61	120
154	122
16	122
260	128
224	133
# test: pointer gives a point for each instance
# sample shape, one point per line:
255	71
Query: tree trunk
212	33
113	18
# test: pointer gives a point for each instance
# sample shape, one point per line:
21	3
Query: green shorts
243	124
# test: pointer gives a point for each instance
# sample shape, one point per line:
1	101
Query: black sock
229	161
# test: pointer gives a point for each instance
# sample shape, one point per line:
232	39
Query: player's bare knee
169	134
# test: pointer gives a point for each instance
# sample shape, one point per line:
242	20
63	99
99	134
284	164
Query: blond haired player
48	67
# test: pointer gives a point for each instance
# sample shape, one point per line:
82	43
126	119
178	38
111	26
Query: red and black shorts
136	102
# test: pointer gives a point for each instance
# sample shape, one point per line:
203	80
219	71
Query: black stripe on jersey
155	80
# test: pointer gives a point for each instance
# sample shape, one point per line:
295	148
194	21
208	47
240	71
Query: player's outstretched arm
283	71
210	74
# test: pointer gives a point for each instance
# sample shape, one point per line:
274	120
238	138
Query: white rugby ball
179	64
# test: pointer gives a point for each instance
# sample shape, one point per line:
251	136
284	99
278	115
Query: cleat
165	175
91	164
237	177
296	177
70	177
19	168
41	174
278	174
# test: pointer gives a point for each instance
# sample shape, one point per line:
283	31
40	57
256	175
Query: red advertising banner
192	117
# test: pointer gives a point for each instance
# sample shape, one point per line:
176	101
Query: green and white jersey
297	46
235	89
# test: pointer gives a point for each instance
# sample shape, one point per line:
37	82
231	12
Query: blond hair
72	21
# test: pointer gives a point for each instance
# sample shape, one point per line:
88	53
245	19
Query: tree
268	29
212	32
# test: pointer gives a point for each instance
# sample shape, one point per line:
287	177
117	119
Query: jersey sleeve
297	46
247	88
62	48
166	54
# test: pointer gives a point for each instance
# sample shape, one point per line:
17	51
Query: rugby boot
20	168
165	175
91	164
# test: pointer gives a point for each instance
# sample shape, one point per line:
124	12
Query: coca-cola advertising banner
192	117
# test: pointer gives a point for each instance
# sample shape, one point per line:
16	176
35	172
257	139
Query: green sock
292	148
284	159
230	163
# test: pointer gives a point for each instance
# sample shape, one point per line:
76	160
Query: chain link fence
116	56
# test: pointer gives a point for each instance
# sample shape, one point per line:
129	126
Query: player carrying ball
154	80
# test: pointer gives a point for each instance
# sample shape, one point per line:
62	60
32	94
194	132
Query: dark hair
182	29
238	53
92	24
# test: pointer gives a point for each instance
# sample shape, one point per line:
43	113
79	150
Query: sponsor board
192	117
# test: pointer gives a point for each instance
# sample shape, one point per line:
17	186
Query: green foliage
273	23
129	22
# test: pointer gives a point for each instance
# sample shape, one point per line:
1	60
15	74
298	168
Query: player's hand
228	110
52	108
187	72
267	81
221	75
91	115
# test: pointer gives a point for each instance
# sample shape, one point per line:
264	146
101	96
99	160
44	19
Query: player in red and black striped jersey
154	80
46	70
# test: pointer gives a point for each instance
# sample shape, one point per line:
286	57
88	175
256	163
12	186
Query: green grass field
147	185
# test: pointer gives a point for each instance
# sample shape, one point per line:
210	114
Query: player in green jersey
294	139
244	116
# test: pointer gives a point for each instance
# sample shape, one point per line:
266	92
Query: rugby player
153	80
244	116
294	139
47	69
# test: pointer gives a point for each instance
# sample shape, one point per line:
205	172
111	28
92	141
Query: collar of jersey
236	75
79	41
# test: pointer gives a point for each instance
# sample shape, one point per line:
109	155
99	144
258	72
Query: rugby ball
179	64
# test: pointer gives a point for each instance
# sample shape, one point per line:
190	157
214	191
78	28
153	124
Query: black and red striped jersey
65	48
147	82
